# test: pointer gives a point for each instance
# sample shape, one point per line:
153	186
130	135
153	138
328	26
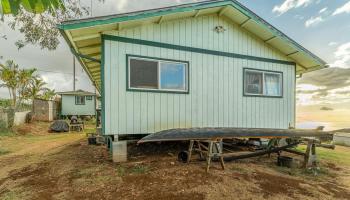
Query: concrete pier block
119	151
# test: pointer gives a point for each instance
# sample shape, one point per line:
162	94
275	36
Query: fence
10	117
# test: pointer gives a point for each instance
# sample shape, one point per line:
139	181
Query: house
203	64
80	103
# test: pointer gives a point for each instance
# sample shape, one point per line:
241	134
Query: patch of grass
3	152
140	169
6	132
340	155
121	171
316	171
10	195
239	169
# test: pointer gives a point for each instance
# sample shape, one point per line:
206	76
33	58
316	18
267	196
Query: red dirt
80	171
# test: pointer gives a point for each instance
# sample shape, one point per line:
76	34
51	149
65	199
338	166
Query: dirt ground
63	166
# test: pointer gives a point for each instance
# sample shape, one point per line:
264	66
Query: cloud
331	85
300	17
313	21
323	10
290	4
342	56
344	9
332	43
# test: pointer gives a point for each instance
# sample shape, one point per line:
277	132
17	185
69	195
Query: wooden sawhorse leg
213	150
310	158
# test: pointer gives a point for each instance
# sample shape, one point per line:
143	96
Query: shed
45	110
79	102
203	64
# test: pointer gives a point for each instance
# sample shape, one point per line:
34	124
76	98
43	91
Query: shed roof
77	92
84	35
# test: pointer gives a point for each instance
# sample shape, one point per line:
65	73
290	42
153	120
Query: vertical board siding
70	108
215	96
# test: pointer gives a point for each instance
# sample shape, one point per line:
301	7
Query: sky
321	26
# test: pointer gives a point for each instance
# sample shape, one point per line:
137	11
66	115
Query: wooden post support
209	155
310	155
307	153
313	159
219	153
190	149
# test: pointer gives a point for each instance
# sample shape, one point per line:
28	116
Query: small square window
79	100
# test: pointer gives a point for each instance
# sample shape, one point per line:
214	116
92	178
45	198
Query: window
262	83
79	100
88	97
157	75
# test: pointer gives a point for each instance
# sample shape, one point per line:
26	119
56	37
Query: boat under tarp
183	134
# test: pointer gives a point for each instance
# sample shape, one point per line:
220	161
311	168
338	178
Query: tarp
59	126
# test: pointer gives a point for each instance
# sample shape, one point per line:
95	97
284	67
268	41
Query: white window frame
159	61
80	103
263	72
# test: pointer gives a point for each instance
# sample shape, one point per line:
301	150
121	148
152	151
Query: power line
48	71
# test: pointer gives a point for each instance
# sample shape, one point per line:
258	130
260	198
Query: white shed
204	64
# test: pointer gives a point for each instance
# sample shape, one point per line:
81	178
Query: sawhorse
212	150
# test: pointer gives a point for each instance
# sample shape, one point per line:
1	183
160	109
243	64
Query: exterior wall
45	110
215	96
68	106
20	117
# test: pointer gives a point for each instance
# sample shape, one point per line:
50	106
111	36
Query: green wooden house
203	64
80	103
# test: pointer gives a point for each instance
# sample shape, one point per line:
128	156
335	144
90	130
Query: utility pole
73	73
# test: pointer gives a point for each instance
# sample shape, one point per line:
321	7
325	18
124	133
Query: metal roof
77	92
84	35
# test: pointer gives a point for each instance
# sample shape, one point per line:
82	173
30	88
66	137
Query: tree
9	75
23	84
25	76
34	89
33	6
38	23
48	94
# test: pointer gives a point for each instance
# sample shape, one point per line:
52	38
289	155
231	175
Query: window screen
143	73
79	100
272	84
263	83
253	82
156	74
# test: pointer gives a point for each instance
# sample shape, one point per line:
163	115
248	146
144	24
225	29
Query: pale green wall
69	107
216	91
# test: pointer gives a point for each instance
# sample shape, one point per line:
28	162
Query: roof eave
98	21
